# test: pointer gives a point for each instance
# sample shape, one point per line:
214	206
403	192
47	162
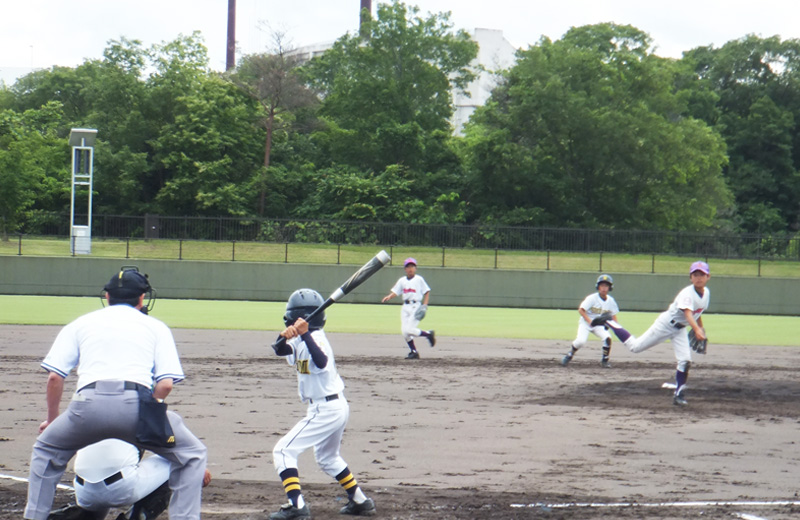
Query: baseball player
114	473
594	306
126	362
320	386
686	310
415	293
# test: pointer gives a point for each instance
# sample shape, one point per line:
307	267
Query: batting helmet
607	279
301	303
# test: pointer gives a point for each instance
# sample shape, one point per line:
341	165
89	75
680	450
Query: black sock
291	484
412	346
348	482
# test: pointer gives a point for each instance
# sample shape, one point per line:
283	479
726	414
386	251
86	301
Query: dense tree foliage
757	82
591	130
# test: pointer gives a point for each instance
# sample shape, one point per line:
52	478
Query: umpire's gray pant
110	411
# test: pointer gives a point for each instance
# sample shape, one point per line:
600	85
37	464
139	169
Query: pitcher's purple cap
699	266
409	260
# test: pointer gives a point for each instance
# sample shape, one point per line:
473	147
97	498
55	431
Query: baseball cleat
366	508
601	320
605	363
289	511
565	360
432	337
413	355
678	400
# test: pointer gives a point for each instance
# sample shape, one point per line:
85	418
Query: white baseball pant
661	330
322	428
583	334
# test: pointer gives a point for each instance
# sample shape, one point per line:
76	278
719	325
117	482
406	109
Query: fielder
415	293
115	474
319	385
594	306
686	310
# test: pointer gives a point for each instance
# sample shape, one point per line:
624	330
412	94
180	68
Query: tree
272	80
33	164
590	130
757	84
386	95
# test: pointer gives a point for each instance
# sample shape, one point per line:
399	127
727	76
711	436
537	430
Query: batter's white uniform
411	291
117	462
594	306
671	325
327	413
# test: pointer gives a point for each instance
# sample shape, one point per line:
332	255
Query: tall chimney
364	17
230	55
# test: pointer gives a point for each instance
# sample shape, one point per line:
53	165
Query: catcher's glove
698	345
421	312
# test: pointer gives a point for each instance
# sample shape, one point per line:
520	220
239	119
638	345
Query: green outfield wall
176	279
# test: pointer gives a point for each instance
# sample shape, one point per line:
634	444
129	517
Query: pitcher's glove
421	312
698	345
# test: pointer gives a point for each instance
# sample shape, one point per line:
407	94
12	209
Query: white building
495	54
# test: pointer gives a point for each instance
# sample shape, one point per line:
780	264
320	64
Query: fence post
233	251
653	265
495	258
760	241
442	256
180	249
548	260
338	254
286	254
19	245
127	247
391	254
601	261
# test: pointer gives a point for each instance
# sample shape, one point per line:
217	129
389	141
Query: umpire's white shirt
314	383
119	343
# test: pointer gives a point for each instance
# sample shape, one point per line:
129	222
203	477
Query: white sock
359	497
300	502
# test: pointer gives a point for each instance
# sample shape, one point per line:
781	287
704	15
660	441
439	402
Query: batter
415	294
320	386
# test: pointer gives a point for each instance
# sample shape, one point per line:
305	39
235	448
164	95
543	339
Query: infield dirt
472	428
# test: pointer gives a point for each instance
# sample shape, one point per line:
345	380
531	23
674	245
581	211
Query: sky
37	34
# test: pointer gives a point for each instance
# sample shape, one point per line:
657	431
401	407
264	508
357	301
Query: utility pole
230	55
364	17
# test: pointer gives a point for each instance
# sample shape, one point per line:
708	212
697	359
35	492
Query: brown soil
476	429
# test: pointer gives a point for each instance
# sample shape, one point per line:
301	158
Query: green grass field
559	325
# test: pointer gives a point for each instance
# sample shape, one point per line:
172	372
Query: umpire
120	354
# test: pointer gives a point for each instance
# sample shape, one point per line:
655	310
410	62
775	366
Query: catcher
686	311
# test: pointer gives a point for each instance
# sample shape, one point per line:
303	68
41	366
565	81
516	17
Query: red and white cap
700	266
409	261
